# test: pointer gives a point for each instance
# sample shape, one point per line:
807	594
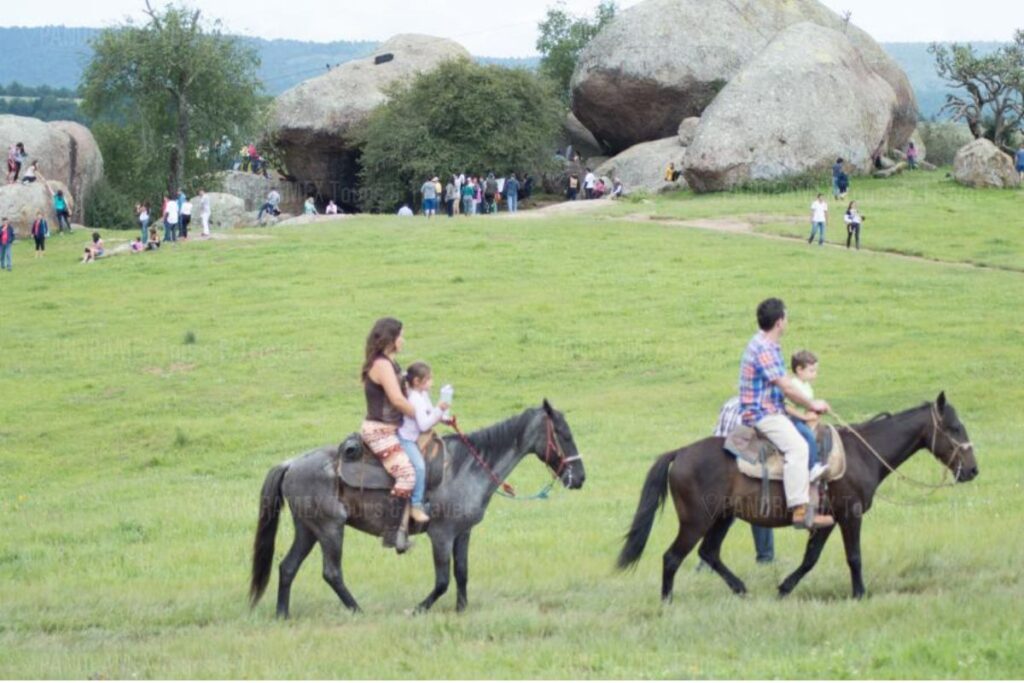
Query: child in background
419	379
153	242
805	367
94	250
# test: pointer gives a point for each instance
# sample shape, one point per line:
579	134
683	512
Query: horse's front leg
442	540
461	568
815	544
851	540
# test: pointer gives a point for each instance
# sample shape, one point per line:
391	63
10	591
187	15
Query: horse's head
948	441
554	445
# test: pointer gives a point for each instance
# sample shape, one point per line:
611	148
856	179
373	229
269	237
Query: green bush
106	207
942	139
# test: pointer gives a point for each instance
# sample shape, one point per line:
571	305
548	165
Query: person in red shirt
40	231
6	242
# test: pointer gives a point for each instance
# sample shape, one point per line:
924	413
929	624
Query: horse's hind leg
710	552
289	567
331	536
815	544
674	556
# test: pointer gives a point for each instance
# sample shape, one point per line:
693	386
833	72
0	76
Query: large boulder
581	139
806	99
19	203
642	167
66	152
228	211
687	129
251	188
661	61
312	122
982	164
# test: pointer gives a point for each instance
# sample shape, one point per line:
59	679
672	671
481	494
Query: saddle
359	468
758	458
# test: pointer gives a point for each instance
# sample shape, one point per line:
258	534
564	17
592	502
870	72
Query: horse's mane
498	436
883	416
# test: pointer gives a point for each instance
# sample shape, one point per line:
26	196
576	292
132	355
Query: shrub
942	139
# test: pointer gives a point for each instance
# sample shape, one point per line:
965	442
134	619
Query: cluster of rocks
66	155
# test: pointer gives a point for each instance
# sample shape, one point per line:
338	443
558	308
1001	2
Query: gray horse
322	505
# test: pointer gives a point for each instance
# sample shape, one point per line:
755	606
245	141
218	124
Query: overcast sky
502	28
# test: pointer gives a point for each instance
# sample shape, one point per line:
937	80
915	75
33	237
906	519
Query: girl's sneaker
418	515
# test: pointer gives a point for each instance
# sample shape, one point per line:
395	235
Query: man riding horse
764	386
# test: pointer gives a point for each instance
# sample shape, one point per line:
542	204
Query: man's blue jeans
820	229
812	445
764	543
145	230
5	256
513	203
169	231
420	467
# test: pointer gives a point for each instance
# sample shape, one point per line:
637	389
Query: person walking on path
853	219
837	170
40	231
7	238
512	193
819	219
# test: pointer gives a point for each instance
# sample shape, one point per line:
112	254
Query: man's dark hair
769	312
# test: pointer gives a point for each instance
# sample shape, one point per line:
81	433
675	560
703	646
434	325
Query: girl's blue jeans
420	467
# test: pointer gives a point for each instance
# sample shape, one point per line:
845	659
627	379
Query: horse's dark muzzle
965	476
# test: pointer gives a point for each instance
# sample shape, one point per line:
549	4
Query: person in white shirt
186	217
204	212
419	379
819	218
589	180
405	210
170	220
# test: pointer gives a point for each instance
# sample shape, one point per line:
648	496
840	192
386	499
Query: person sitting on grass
153	243
93	251
137	245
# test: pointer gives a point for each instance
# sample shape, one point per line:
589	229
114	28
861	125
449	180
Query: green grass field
132	460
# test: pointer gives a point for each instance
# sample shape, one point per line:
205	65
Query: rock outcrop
228	211
642	167
312	122
687	129
804	100
66	152
253	189
661	61
19	203
982	164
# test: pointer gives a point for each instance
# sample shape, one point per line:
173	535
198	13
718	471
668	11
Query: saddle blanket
359	468
753	453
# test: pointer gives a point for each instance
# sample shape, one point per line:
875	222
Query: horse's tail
652	498
266	529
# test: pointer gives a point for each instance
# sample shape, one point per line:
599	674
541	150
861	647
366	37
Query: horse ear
547	408
940	402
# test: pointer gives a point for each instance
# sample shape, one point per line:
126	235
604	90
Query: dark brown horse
709	492
322	506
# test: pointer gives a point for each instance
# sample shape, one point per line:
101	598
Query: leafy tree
171	83
562	38
460	117
992	101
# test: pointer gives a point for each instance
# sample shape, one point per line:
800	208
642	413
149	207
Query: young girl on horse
419	379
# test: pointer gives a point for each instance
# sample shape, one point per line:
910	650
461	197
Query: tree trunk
180	144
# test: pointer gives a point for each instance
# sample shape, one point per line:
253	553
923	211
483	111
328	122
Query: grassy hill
133	458
56	55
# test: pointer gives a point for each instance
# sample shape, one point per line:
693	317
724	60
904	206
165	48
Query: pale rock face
66	152
642	167
661	61
227	211
19	203
806	99
312	122
982	164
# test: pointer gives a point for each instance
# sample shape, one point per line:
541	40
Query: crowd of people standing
466	194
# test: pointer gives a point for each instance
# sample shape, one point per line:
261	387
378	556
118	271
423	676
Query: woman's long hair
383	335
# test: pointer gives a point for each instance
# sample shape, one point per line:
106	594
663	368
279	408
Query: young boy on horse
764	386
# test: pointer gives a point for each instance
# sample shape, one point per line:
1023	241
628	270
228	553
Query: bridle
552	447
958	446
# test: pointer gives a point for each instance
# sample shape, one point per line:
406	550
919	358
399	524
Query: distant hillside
56	55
